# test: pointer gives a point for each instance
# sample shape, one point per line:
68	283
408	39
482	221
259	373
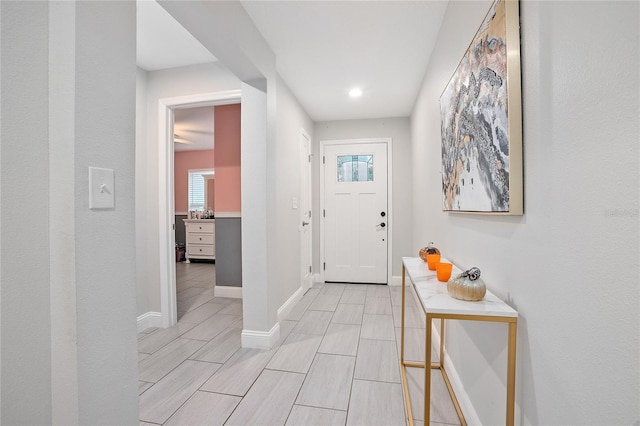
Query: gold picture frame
481	120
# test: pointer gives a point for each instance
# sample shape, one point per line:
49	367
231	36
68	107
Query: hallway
195	282
336	362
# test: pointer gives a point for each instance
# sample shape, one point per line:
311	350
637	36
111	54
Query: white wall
105	255
399	130
174	82
143	288
254	219
285	253
229	33
67	273
26	310
62	269
570	264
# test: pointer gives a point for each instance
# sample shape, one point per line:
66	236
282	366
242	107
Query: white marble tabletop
435	299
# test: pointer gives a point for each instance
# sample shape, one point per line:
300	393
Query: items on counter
201	214
429	249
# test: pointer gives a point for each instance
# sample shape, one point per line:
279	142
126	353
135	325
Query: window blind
197	188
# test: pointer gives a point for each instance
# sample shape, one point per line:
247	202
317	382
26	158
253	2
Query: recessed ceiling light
355	92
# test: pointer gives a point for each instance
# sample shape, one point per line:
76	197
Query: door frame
306	169
389	142
166	203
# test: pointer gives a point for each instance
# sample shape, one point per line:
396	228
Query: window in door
355	168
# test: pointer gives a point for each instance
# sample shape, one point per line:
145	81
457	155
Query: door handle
383	224
304	223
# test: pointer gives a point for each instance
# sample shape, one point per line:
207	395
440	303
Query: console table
437	304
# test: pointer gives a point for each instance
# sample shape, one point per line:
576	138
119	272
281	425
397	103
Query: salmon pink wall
225	162
227	159
183	162
211	191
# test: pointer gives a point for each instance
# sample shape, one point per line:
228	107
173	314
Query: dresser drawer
197	250
200	238
201	227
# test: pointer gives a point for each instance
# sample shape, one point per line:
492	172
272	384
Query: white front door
305	212
355	213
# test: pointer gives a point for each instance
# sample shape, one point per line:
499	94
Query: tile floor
336	363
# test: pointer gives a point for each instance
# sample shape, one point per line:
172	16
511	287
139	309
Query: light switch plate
101	188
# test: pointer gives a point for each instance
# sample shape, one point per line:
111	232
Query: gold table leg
427	372
402	320
441	360
511	374
403	364
429	364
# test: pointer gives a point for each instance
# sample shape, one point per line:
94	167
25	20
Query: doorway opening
166	191
193	137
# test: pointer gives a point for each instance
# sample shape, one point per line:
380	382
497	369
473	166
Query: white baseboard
316	278
469	412
148	320
227	291
287	307
260	339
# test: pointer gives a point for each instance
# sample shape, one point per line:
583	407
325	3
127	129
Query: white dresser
201	241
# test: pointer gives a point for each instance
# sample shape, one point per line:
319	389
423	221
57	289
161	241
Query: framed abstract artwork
481	120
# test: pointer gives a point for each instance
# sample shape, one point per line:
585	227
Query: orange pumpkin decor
429	249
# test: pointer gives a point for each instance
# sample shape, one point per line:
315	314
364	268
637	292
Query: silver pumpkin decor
467	286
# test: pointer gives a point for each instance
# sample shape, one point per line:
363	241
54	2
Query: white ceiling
193	129
323	49
162	42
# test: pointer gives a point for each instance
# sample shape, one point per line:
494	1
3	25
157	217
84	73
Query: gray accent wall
181	230
229	251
